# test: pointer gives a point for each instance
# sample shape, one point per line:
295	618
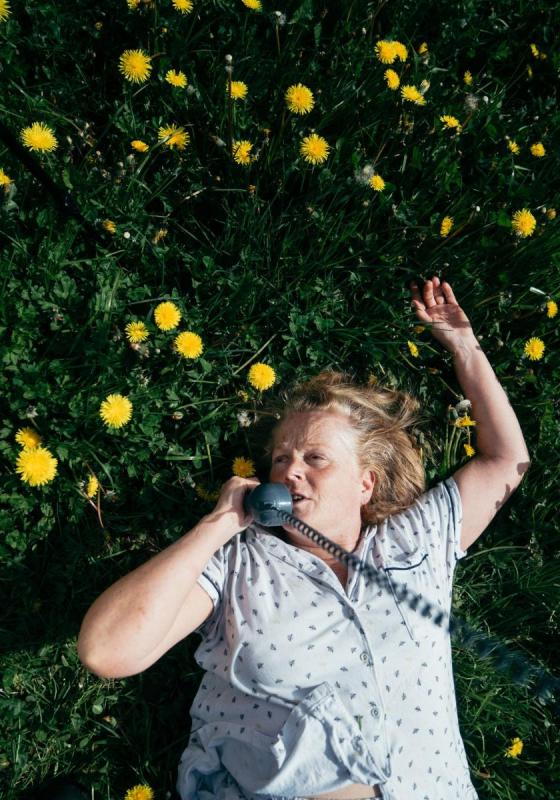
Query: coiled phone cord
522	671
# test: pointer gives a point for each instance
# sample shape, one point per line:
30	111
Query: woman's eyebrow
309	447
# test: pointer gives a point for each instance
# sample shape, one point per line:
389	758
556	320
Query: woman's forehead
314	428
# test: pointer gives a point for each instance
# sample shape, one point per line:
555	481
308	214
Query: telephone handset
264	500
271	504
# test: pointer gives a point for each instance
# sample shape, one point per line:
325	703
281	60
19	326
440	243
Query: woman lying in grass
317	684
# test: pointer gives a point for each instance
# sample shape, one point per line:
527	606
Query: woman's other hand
438	308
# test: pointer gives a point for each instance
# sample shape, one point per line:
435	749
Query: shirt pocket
318	747
415	573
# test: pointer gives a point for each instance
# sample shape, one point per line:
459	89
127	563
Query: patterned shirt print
311	686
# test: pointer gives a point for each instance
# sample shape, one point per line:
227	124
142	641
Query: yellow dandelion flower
159	235
178	79
115	410
167	316
139	146
5	10
538	150
133	4
261	376
423	49
451	122
241	152
299	99
201	491
534	348
513	146
515	748
393	80
376	182
552	309
385	51
243	467
5	180
467	78
140	792
534	50
28	437
551	213
109	225
401	51
413	349
184	6
39	137
469	451
238	90
136	332
446	225
188	344
172	136
243	395
254	5
36	466
314	149
465	422
411	93
92	486
523	223
135	65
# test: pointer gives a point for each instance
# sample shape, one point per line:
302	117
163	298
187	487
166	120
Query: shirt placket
372	721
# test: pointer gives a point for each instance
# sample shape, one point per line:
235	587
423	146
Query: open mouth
298	500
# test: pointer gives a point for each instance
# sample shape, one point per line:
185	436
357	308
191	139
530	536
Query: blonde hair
380	418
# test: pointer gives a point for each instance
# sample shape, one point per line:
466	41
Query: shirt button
364	657
374	711
357	744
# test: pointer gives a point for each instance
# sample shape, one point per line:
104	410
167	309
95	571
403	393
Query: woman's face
314	455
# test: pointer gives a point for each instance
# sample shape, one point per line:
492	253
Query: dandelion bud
462	405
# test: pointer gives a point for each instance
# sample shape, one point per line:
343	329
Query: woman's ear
368	483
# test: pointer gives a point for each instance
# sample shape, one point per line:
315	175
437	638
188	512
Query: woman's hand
229	508
439	309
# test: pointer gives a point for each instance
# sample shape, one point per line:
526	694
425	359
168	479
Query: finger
448	291
438	294
416	295
429	295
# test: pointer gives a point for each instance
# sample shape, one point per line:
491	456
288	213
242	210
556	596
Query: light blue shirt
311	686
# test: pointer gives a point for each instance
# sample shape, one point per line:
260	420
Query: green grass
310	271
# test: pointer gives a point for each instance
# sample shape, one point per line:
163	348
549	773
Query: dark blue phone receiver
263	501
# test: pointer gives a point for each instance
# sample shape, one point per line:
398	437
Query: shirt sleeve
212	580
444	509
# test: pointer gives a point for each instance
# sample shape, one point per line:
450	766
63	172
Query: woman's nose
294	469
